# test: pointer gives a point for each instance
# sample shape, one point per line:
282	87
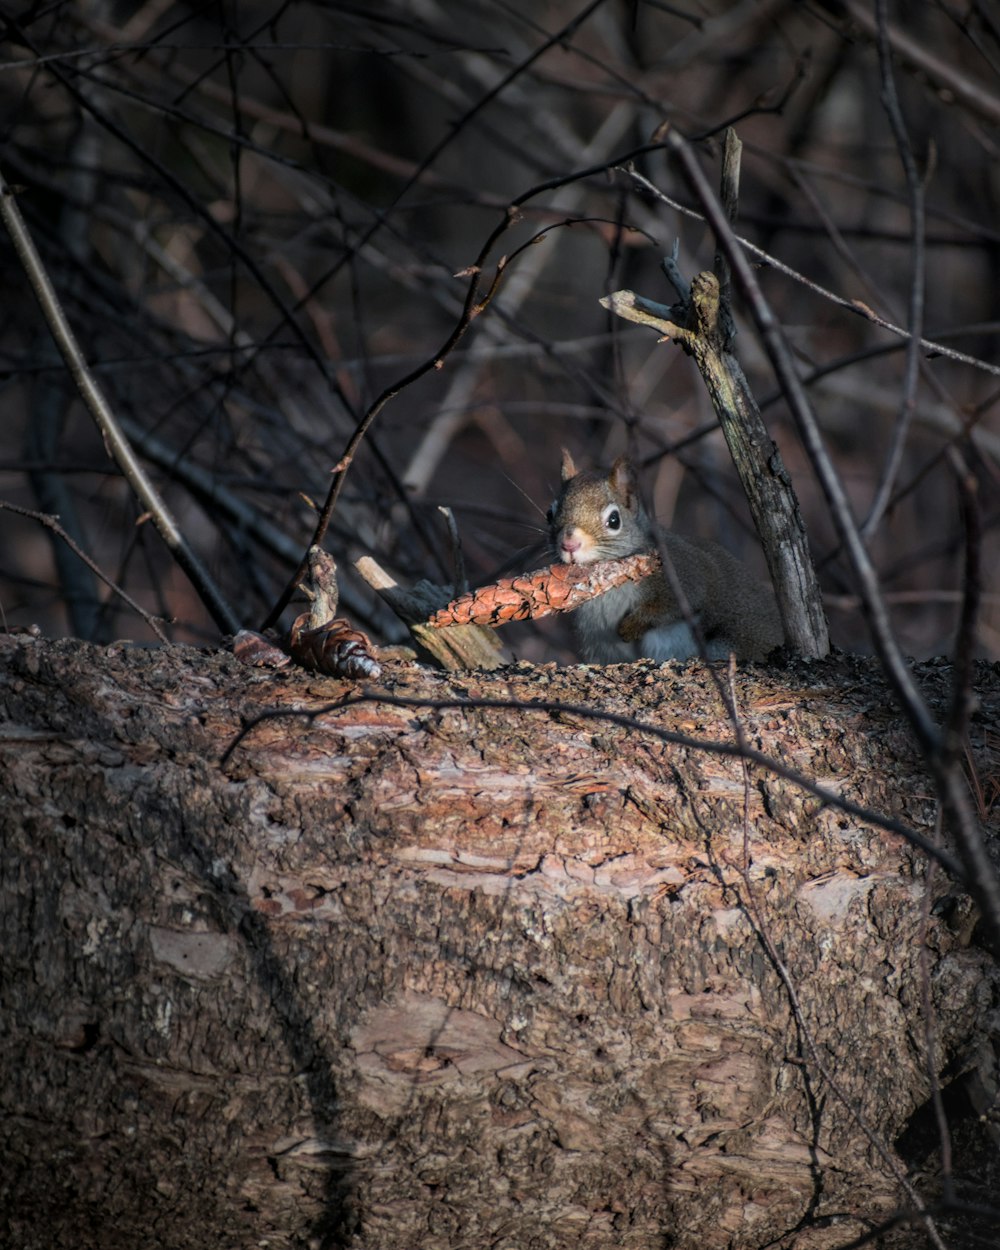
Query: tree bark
422	979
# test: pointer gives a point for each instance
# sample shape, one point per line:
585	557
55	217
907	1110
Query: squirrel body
600	516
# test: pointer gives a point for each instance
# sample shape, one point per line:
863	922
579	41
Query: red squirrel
599	516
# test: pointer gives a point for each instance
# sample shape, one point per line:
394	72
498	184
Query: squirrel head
598	515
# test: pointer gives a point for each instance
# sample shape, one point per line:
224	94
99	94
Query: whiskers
524	495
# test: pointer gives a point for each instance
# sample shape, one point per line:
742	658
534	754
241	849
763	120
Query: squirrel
599	516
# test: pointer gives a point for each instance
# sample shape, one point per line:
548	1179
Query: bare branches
960	85
476	300
857	306
92	395
51	523
911	373
363	232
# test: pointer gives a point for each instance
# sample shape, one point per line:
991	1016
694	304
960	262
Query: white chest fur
596	624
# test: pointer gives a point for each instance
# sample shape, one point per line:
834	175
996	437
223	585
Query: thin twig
933	346
116	442
911	369
453	411
461	579
475	302
52	523
972	591
972	95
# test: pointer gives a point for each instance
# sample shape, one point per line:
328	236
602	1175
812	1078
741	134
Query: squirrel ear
568	469
622	479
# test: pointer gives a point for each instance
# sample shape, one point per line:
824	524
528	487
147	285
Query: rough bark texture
396	979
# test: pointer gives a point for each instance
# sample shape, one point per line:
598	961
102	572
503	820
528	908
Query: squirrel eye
612	519
550	516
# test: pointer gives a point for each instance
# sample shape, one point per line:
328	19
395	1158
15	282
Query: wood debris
317	640
334	648
260	650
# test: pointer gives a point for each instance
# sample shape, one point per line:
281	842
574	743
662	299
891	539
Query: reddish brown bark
397	978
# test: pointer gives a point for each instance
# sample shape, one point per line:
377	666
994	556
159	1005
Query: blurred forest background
257	216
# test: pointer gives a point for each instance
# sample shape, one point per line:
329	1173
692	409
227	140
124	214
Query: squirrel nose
569	541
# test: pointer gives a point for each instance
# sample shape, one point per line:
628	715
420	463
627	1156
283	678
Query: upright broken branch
700	330
702	323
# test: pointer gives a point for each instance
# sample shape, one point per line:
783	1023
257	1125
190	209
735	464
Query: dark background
254	214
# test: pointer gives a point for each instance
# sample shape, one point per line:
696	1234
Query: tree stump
409	978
